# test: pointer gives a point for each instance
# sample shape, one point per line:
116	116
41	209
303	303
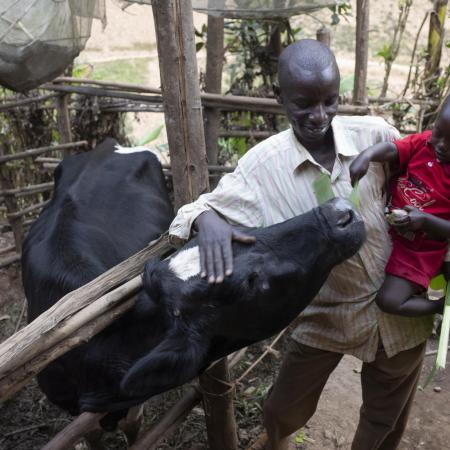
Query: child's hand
359	167
414	221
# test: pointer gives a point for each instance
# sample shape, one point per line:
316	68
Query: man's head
440	138
308	89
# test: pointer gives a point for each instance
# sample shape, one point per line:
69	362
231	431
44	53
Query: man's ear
277	91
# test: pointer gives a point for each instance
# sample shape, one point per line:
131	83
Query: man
274	182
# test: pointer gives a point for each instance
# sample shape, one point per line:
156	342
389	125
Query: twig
24	304
23	429
269	349
433	352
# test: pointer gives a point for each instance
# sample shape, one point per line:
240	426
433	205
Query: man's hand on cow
359	167
214	238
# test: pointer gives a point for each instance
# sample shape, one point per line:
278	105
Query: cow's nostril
345	218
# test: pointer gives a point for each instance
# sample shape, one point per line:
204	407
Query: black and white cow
180	323
107	205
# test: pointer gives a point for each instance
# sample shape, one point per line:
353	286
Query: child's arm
435	227
381	152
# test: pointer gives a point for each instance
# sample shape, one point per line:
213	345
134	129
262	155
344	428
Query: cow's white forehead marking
129	150
186	263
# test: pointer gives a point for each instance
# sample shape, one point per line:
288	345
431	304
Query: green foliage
385	52
122	70
342	10
346	86
151	135
300	436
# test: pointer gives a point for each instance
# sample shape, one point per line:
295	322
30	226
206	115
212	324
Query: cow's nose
344	213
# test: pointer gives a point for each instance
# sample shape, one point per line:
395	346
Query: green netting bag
40	38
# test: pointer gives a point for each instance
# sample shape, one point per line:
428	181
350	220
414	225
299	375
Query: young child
419	234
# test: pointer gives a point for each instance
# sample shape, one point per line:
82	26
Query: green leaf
441	356
199	46
438	283
322	188
346	85
354	196
300	436
151	136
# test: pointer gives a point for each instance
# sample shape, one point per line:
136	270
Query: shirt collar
344	146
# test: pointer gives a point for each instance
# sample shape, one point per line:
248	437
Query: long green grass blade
441	357
151	136
322	188
354	195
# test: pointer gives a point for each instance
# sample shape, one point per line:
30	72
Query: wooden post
183	115
63	118
10	202
181	98
435	41
324	35
361	52
213	84
218	394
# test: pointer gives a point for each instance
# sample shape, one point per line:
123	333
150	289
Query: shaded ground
28	421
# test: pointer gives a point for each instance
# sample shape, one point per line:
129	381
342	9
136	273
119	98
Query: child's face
440	137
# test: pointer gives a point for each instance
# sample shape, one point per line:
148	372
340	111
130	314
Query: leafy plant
151	135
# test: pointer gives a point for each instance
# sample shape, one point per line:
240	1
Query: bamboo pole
362	52
28	190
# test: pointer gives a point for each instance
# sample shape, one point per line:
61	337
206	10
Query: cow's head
272	282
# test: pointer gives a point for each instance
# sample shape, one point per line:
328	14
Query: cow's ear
172	363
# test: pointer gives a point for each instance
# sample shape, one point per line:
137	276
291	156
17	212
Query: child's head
440	138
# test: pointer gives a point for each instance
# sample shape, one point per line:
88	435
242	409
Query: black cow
106	206
181	324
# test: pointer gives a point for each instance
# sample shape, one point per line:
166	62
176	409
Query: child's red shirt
425	184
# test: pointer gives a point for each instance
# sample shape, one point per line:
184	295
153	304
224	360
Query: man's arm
236	198
384	152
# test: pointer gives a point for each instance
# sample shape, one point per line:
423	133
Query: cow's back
106	206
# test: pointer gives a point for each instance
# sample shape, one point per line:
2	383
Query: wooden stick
10	260
38	336
261	357
169	422
28	190
8	249
41	150
9	105
222	102
71	434
25	211
361	52
20	377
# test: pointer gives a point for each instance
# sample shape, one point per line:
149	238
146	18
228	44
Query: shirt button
430	164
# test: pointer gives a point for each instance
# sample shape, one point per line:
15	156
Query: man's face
440	137
311	101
